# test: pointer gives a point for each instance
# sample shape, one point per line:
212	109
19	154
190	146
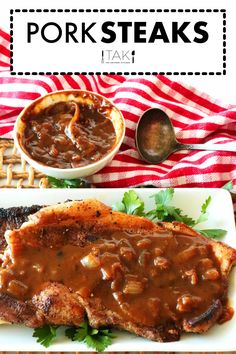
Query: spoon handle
211	147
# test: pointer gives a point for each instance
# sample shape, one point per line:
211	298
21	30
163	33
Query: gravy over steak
152	278
80	259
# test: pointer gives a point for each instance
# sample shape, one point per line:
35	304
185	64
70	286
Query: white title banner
138	41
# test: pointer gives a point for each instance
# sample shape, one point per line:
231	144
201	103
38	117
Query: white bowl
64	96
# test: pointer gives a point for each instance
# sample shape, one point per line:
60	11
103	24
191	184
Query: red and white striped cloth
197	118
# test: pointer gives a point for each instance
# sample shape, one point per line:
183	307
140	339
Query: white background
221	87
162	57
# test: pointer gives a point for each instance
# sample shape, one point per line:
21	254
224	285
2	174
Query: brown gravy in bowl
69	134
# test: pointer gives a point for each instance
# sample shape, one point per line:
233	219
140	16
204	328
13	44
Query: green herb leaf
158	214
164	197
166	212
205	205
70	332
176	214
46	335
217	234
98	339
98	342
162	200
79	333
107	332
67	183
228	186
204	213
131	204
152	215
119	206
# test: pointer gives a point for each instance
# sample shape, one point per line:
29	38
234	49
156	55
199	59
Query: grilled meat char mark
13	218
92	230
54	304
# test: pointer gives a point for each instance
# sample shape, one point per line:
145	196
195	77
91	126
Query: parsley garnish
164	211
98	339
67	183
228	186
46	335
130	204
217	234
204	213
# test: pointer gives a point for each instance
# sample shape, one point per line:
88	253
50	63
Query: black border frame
182	73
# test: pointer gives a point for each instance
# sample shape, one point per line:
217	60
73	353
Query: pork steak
82	259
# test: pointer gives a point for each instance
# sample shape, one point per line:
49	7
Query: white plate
219	338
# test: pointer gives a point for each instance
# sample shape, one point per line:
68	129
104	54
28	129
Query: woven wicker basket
14	170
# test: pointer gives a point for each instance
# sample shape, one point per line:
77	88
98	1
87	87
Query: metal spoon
155	138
